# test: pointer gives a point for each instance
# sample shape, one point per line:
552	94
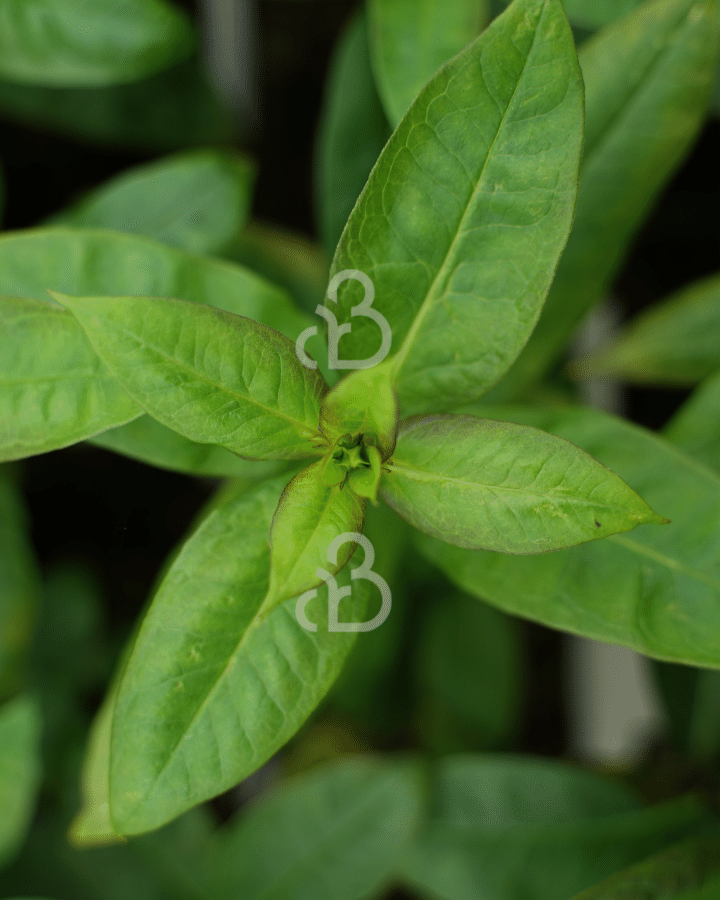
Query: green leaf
469	667
498	486
591	14
672	873
335	833
467	210
197	201
223	688
691	698
657	591
19	771
507	827
212	376
309	518
411	39
19	586
696	426
69	43
168	111
54	391
352	132
673	342
363	403
150	442
647	85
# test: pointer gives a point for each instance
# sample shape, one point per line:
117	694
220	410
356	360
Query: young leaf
63	43
19	771
336	832
468	208
223	688
657	590
647	84
673	342
672	874
211	376
363	403
696	425
499	486
197	201
310	516
352	132
503	827
411	39
54	391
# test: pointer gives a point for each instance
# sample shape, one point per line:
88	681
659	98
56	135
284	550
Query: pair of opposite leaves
216	377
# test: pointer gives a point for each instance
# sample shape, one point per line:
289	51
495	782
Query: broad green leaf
695	427
490	485
223	688
691	698
673	342
212	376
647	83
411	39
352	132
197	201
19	586
469	667
54	390
150	442
70	43
657	590
467	210
168	111
334	833
507	827
19	771
363	403
310	517
672	874
591	14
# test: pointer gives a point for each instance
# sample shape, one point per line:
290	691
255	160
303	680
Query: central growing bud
356	460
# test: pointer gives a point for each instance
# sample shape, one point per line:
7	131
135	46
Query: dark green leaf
498	486
333	834
692	705
647	84
411	39
591	14
467	210
222	688
19	771
657	590
69	43
197	201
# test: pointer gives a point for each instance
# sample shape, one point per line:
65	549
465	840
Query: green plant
477	195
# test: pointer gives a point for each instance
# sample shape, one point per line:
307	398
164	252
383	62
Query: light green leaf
411	39
168	111
673	342
672	874
647	85
19	771
364	403
150	442
352	132
19	586
657	590
197	201
223	688
498	486
335	833
469	667
310	516
54	391
67	43
696	426
212	376
507	827
467	210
